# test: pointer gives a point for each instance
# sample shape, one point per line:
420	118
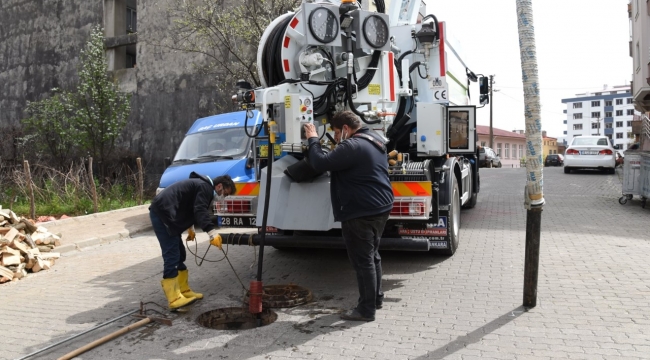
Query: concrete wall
39	46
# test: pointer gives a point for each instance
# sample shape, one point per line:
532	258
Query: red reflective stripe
294	23
417	189
443	71
286	41
286	65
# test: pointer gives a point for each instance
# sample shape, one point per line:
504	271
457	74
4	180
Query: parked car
554	160
488	158
590	152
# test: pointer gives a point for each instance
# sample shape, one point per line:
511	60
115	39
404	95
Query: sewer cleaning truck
402	75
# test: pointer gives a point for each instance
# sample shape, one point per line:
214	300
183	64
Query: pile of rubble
24	247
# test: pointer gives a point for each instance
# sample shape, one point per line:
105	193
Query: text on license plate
244	221
585	152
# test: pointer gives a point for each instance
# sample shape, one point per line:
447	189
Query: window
483	143
577	116
619	135
514	151
131	20
595	125
521	151
564	122
608	102
595	114
598	94
619	112
630	111
608	125
595	103
507	156
499	152
608	114
637	57
630	135
577	105
619	124
577	126
629	123
629	100
619	101
564	132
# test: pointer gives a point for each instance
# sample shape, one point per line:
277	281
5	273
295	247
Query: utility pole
491	102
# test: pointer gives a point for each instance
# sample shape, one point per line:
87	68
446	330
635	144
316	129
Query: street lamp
597	121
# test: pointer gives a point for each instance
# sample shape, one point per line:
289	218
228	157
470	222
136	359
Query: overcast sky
581	46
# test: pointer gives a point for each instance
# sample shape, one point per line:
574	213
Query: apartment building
609	112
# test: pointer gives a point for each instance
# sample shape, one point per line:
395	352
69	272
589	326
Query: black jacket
360	185
184	204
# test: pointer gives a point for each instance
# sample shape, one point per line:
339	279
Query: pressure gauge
323	25
307	102
375	30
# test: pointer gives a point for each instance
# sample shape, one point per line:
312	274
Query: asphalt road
593	293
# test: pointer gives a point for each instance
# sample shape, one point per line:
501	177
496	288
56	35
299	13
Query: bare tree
227	34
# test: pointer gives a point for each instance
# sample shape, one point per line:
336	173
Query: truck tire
454	221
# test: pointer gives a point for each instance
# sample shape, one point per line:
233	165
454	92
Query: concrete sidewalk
101	228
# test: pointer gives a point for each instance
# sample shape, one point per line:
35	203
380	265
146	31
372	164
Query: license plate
589	152
438	244
264	150
237	221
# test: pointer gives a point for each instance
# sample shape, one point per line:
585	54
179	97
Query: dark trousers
361	238
173	250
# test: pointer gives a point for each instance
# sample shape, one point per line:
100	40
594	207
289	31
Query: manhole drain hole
284	296
234	319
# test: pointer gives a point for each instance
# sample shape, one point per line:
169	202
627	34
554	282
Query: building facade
639	15
167	92
549	145
509	145
607	112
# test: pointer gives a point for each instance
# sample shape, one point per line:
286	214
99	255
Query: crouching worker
174	210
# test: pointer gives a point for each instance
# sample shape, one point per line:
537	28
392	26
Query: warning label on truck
374	89
438	229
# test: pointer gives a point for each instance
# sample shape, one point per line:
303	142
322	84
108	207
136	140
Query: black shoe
354	315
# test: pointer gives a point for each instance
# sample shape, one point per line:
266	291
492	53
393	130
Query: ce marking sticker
440	94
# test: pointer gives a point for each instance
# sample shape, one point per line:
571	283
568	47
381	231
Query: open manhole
234	319
284	296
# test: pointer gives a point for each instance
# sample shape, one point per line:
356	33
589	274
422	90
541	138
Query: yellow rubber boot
185	287
172	291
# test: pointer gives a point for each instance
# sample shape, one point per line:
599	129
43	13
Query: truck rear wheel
454	221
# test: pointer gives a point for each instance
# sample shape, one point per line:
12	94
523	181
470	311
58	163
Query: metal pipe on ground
76	336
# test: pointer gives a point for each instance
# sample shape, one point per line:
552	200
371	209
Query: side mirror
250	162
484	99
168	161
484	87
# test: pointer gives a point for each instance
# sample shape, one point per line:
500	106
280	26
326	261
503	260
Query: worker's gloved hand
191	234
215	238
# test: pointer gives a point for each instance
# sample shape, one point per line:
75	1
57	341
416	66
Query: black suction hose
267	196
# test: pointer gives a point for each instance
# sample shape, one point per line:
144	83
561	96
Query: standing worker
175	209
362	198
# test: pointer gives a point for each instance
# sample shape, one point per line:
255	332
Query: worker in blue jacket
177	208
362	198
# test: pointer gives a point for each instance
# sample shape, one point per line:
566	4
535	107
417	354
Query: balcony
609	108
609	120
609	131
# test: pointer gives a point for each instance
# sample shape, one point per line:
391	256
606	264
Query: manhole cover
284	296
234	319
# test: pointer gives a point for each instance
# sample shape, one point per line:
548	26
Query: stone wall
39	46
